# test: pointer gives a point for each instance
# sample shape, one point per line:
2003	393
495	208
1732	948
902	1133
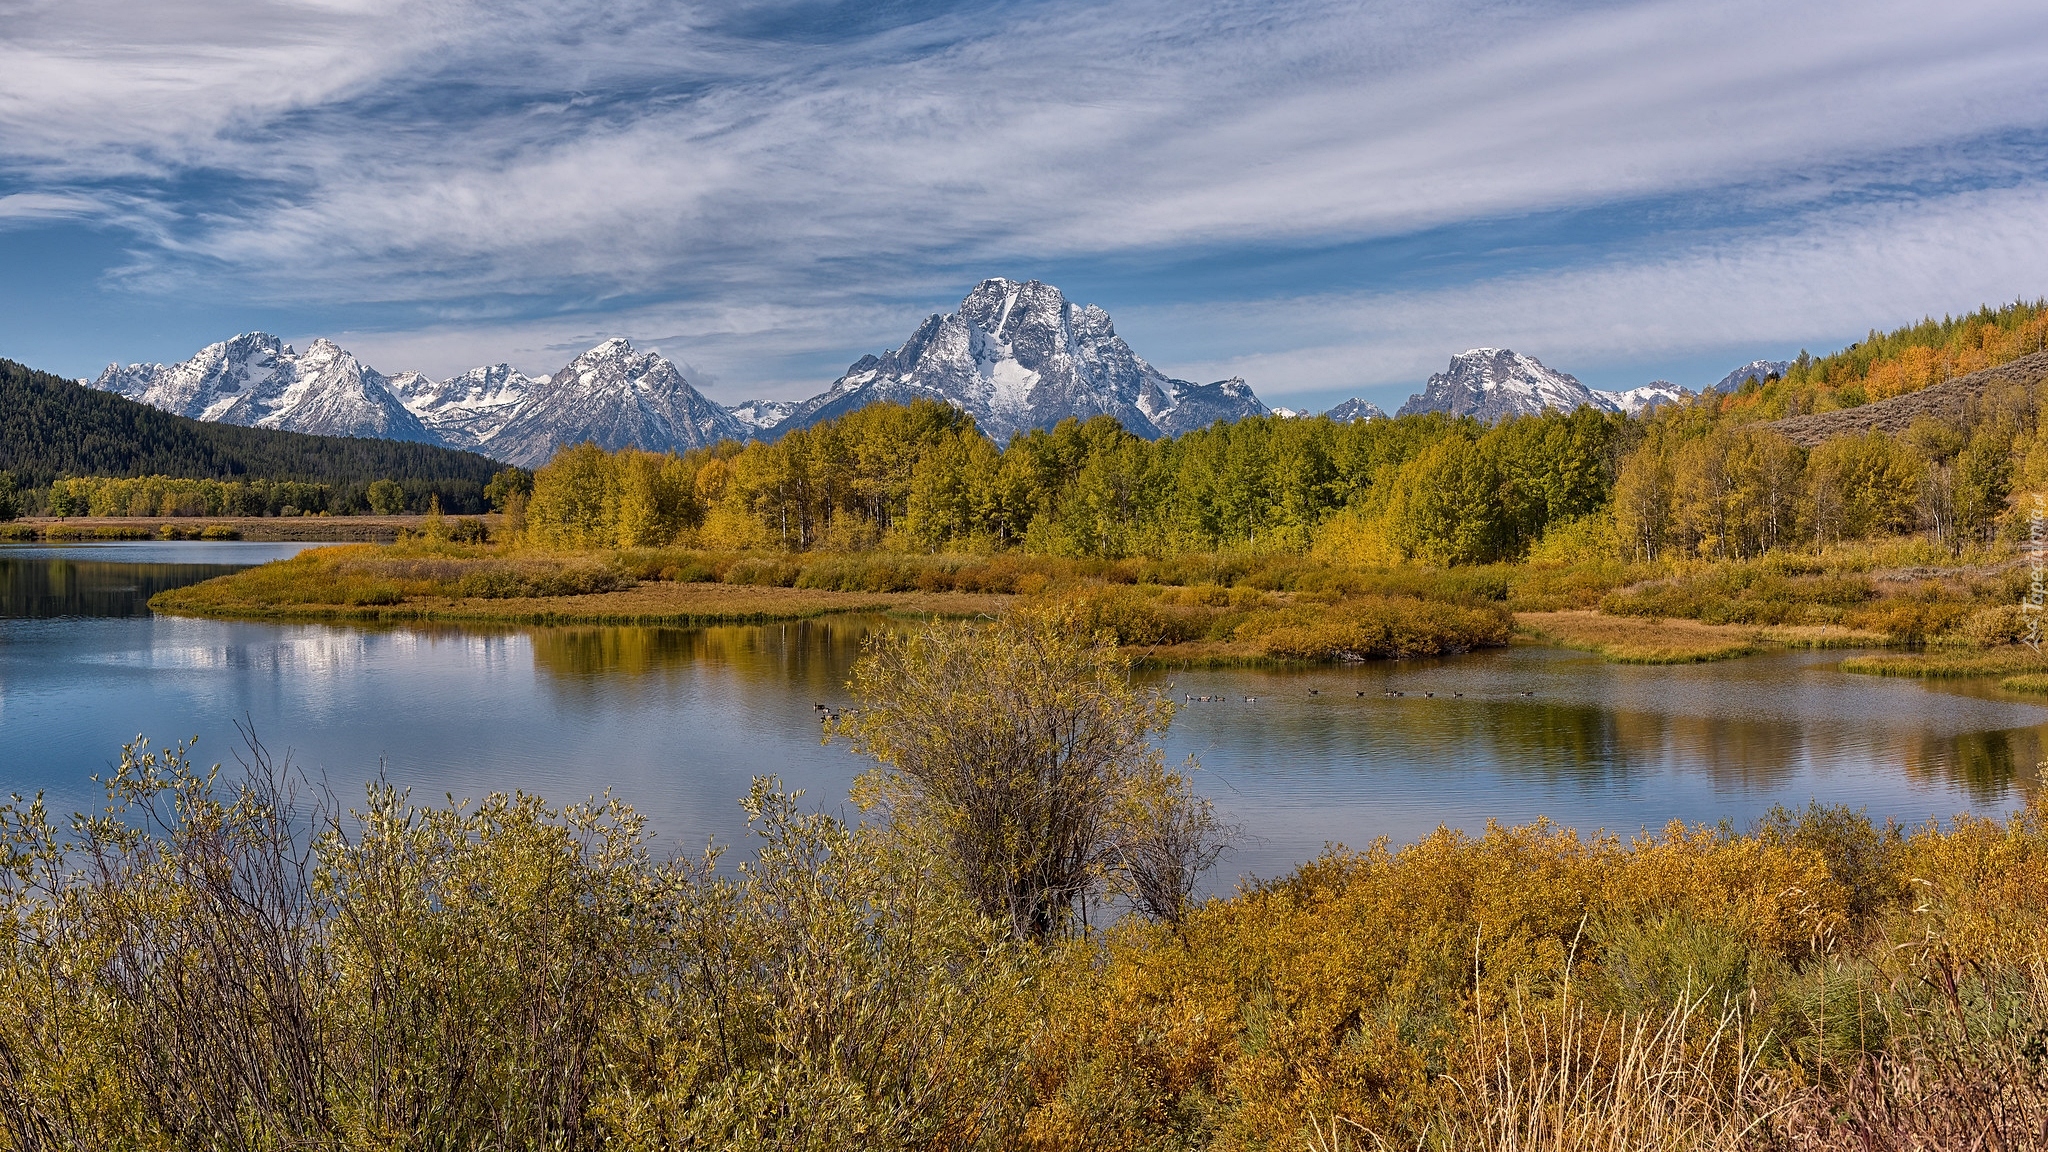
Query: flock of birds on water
1390	694
827	714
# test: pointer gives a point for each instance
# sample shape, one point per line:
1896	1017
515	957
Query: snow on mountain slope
1354	409
256	379
1177	406
1492	384
1758	370
615	397
1637	401
761	415
468	410
1018	356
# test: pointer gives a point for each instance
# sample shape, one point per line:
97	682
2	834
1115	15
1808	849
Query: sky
1328	199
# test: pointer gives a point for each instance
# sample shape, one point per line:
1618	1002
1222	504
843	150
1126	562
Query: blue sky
1326	198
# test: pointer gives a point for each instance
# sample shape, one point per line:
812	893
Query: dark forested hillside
51	427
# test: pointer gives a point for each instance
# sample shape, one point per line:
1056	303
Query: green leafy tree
387	497
1983	482
506	484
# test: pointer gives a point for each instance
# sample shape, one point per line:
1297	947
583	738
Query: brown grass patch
653	603
2014	661
1825	636
1640	640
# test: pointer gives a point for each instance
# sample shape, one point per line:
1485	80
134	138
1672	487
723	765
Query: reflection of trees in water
1987	766
1557	741
813	655
46	587
1588	744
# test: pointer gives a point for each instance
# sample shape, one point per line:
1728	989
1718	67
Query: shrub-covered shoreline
1321	616
1953	615
222	953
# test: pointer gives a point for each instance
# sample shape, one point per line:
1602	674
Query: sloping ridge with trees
52	427
1949	400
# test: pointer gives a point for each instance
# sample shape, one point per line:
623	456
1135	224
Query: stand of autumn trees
922	478
1883	365
1686	481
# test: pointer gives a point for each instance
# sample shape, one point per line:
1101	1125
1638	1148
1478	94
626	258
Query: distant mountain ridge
259	381
1760	371
1492	384
1015	356
57	427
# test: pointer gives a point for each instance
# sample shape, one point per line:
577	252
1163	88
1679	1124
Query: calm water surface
677	720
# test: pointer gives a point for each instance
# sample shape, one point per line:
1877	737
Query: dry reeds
1636	640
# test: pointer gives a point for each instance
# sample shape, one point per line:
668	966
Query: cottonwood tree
1022	750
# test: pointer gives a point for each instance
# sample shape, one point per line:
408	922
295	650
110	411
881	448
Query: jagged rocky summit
617	398
1018	356
1354	410
257	379
469	410
1492	384
612	395
1757	370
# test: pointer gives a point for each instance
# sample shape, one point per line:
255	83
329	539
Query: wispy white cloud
1832	275
40	206
540	170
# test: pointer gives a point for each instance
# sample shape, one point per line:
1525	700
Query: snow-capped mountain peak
1637	401
469	409
615	397
761	415
1016	356
1494	383
1354	410
1757	370
257	379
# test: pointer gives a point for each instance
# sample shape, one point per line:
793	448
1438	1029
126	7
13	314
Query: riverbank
430	580
242	597
1206	611
276	529
1642	640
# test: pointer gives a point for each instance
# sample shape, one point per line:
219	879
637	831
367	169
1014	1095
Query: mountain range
1015	355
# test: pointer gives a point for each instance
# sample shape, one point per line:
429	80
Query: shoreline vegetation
221	952
1949	615
368	528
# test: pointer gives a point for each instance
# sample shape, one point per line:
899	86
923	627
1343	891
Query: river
676	721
